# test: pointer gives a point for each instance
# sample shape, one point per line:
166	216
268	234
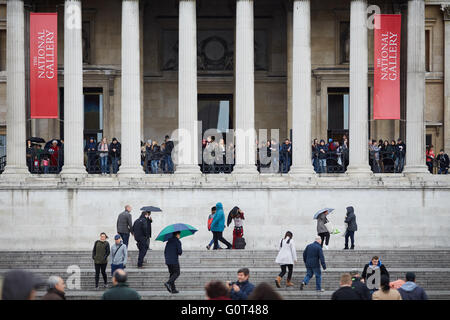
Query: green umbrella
167	232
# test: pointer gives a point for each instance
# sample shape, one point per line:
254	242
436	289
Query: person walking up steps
313	258
286	258
217	227
171	252
210	220
322	230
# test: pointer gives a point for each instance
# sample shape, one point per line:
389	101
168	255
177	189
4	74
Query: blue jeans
351	235
443	171
310	272
125	237
114	267
316	164
115	164
154	164
399	162
322	165
169	163
104	164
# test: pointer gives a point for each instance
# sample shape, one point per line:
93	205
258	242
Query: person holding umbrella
172	234
322	230
140	235
171	252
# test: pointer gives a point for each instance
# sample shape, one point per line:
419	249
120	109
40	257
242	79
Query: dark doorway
338	113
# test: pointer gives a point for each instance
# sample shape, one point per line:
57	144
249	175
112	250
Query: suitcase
239	243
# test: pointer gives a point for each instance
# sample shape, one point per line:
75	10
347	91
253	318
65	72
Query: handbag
329	227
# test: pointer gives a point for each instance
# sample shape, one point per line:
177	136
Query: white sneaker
325	246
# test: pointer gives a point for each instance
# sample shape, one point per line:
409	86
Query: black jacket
149	227
443	160
350	219
140	229
345	293
169	148
118	148
366	274
361	289
400	150
173	250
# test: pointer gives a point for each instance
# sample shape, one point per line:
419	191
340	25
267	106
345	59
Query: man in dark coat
56	289
400	153
372	268
410	290
168	154
91	150
360	288
345	292
443	161
313	258
125	225
140	232
120	289
350	220
241	289
114	152
171	252
149	229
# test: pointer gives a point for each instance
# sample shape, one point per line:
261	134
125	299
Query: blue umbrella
321	211
167	232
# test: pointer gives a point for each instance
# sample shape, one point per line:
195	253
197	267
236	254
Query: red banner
387	66
44	65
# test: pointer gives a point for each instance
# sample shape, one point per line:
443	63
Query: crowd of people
218	157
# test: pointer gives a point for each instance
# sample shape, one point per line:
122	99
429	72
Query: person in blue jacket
171	252
313	258
217	227
241	289
410	290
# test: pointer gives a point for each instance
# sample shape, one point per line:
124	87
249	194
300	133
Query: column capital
445	8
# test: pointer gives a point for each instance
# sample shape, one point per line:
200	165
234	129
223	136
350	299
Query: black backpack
239	243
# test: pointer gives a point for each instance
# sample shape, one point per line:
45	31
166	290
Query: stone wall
392	211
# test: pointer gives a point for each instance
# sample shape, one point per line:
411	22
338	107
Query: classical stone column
415	88
446	9
73	91
187	148
301	89
16	167
245	141
358	126
131	92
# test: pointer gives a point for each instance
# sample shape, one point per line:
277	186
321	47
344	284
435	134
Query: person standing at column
91	151
350	220
125	225
114	149
168	155
100	255
103	150
286	258
171	252
400	153
217	227
443	161
313	258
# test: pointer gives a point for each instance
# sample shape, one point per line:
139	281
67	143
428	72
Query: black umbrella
232	214
37	140
151	209
50	142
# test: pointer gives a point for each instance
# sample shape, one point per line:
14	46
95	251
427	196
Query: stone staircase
432	268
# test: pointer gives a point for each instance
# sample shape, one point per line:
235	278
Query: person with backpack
119	254
237	215
286	258
210	220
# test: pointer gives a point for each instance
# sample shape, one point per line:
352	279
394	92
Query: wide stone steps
199	267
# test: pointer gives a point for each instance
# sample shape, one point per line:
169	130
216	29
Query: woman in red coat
54	154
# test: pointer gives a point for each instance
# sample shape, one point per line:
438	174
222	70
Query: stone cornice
226	182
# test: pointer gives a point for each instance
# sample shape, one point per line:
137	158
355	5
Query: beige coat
392	294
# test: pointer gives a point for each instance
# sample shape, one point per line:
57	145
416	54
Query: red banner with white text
44	65
387	66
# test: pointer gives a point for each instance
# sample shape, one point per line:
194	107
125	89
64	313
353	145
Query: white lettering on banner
388	60
45	60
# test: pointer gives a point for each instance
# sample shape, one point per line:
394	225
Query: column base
15	173
245	169
73	172
416	170
359	171
302	171
187	169
131	172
